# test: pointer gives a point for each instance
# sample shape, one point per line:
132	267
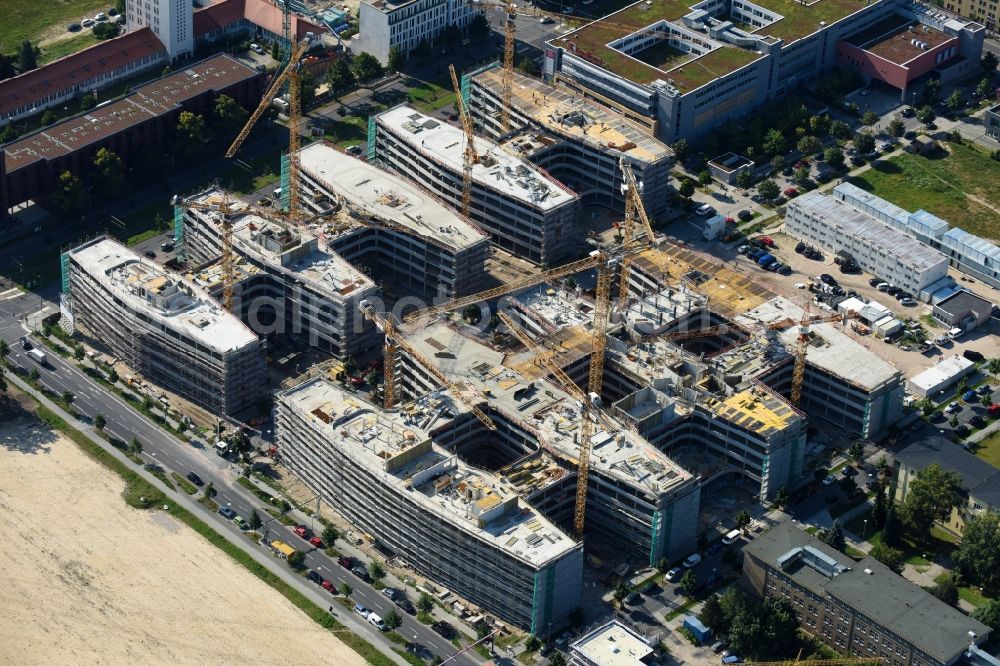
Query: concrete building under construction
576	140
164	327
524	209
401	233
288	284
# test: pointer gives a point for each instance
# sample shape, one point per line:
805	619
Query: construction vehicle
460	390
469	156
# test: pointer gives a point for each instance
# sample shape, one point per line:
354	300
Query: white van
955	333
377	622
691	561
732	537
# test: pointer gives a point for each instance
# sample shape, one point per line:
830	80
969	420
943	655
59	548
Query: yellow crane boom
469	156
458	389
507	74
633	207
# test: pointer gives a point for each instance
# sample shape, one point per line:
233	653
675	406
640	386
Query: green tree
6	66
557	659
532	644
100	421
113	376
135	448
711	614
210	490
26	59
946	591
989	614
3	382
33	374
49	117
768	189
839	129
864	143
663	565
621	591
926	406
744	179
529	66
78	353
802	174
742	519
925	114
834	157
985	400
339	76
681	149
366	67
989	61
932	91
307	90
686	188
782	498
878	513
932	496
869	118
889	556
955	101
962	386
275	51
229	114
110	171
425	603
953	421
689	582
376	571
396	59
393	620
978	554
809	144
254	521
297	559
857	451
774	142
191	134
68	397
705	177
896	127
4	349
819	125
88	102
834	537
330	536
982	89
346	590
479	26
106	30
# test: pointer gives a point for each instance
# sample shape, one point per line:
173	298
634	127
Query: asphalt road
173	455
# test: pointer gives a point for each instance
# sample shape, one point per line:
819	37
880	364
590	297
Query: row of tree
762	631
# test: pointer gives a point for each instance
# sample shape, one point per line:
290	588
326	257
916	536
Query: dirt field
90	580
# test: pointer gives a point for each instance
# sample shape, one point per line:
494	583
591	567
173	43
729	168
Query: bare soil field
88	580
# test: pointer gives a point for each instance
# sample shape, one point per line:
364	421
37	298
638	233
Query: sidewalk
192	506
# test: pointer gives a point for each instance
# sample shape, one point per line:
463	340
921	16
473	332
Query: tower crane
633	206
399	341
507	75
290	75
469	157
845	661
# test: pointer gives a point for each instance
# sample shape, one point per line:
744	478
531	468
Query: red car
766	240
316	541
345	562
327	585
302	531
791	192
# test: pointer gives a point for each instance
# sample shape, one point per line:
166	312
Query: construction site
609	403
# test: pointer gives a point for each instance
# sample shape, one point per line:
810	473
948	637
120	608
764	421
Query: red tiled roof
268	16
73	70
217	16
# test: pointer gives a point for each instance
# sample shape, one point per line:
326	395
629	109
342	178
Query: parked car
87	23
969	396
404	605
195	479
953	407
633	599
314	577
826	278
910	135
328	586
444	629
704	210
361	572
785	270
391	593
167	246
874	282
907	302
345	562
691	561
362	611
227	513
316	541
302	531
150	254
241	524
674	574
790	192
73	27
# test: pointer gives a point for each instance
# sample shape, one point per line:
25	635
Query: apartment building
170	20
860	608
463	527
525	210
612	643
289	284
878	248
578	142
401	233
983	11
966	252
162	326
679	68
387	24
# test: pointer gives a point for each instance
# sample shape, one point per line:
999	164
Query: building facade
577	141
170	20
163	327
384	24
524	209
877	248
459	526
858	608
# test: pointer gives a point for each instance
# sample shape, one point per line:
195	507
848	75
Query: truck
38	356
766	259
222	448
282	550
702	633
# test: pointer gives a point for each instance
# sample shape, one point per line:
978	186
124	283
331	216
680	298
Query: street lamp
864	529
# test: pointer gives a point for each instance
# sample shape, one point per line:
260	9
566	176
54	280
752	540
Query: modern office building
142	122
578	142
170	20
681	68
613	643
525	210
963	310
399	231
387	24
859	608
162	326
879	249
289	285
388	473
966	252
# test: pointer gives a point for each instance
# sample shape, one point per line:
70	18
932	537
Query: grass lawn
65	47
430	96
938	183
28	20
347	132
989	449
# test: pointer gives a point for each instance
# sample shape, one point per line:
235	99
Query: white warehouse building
879	249
384	24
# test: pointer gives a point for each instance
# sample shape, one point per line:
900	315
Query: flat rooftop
387	196
830	349
756	410
946	369
568	115
287	248
613	644
848	221
143	104
396	447
554	414
496	170
163	297
892	39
